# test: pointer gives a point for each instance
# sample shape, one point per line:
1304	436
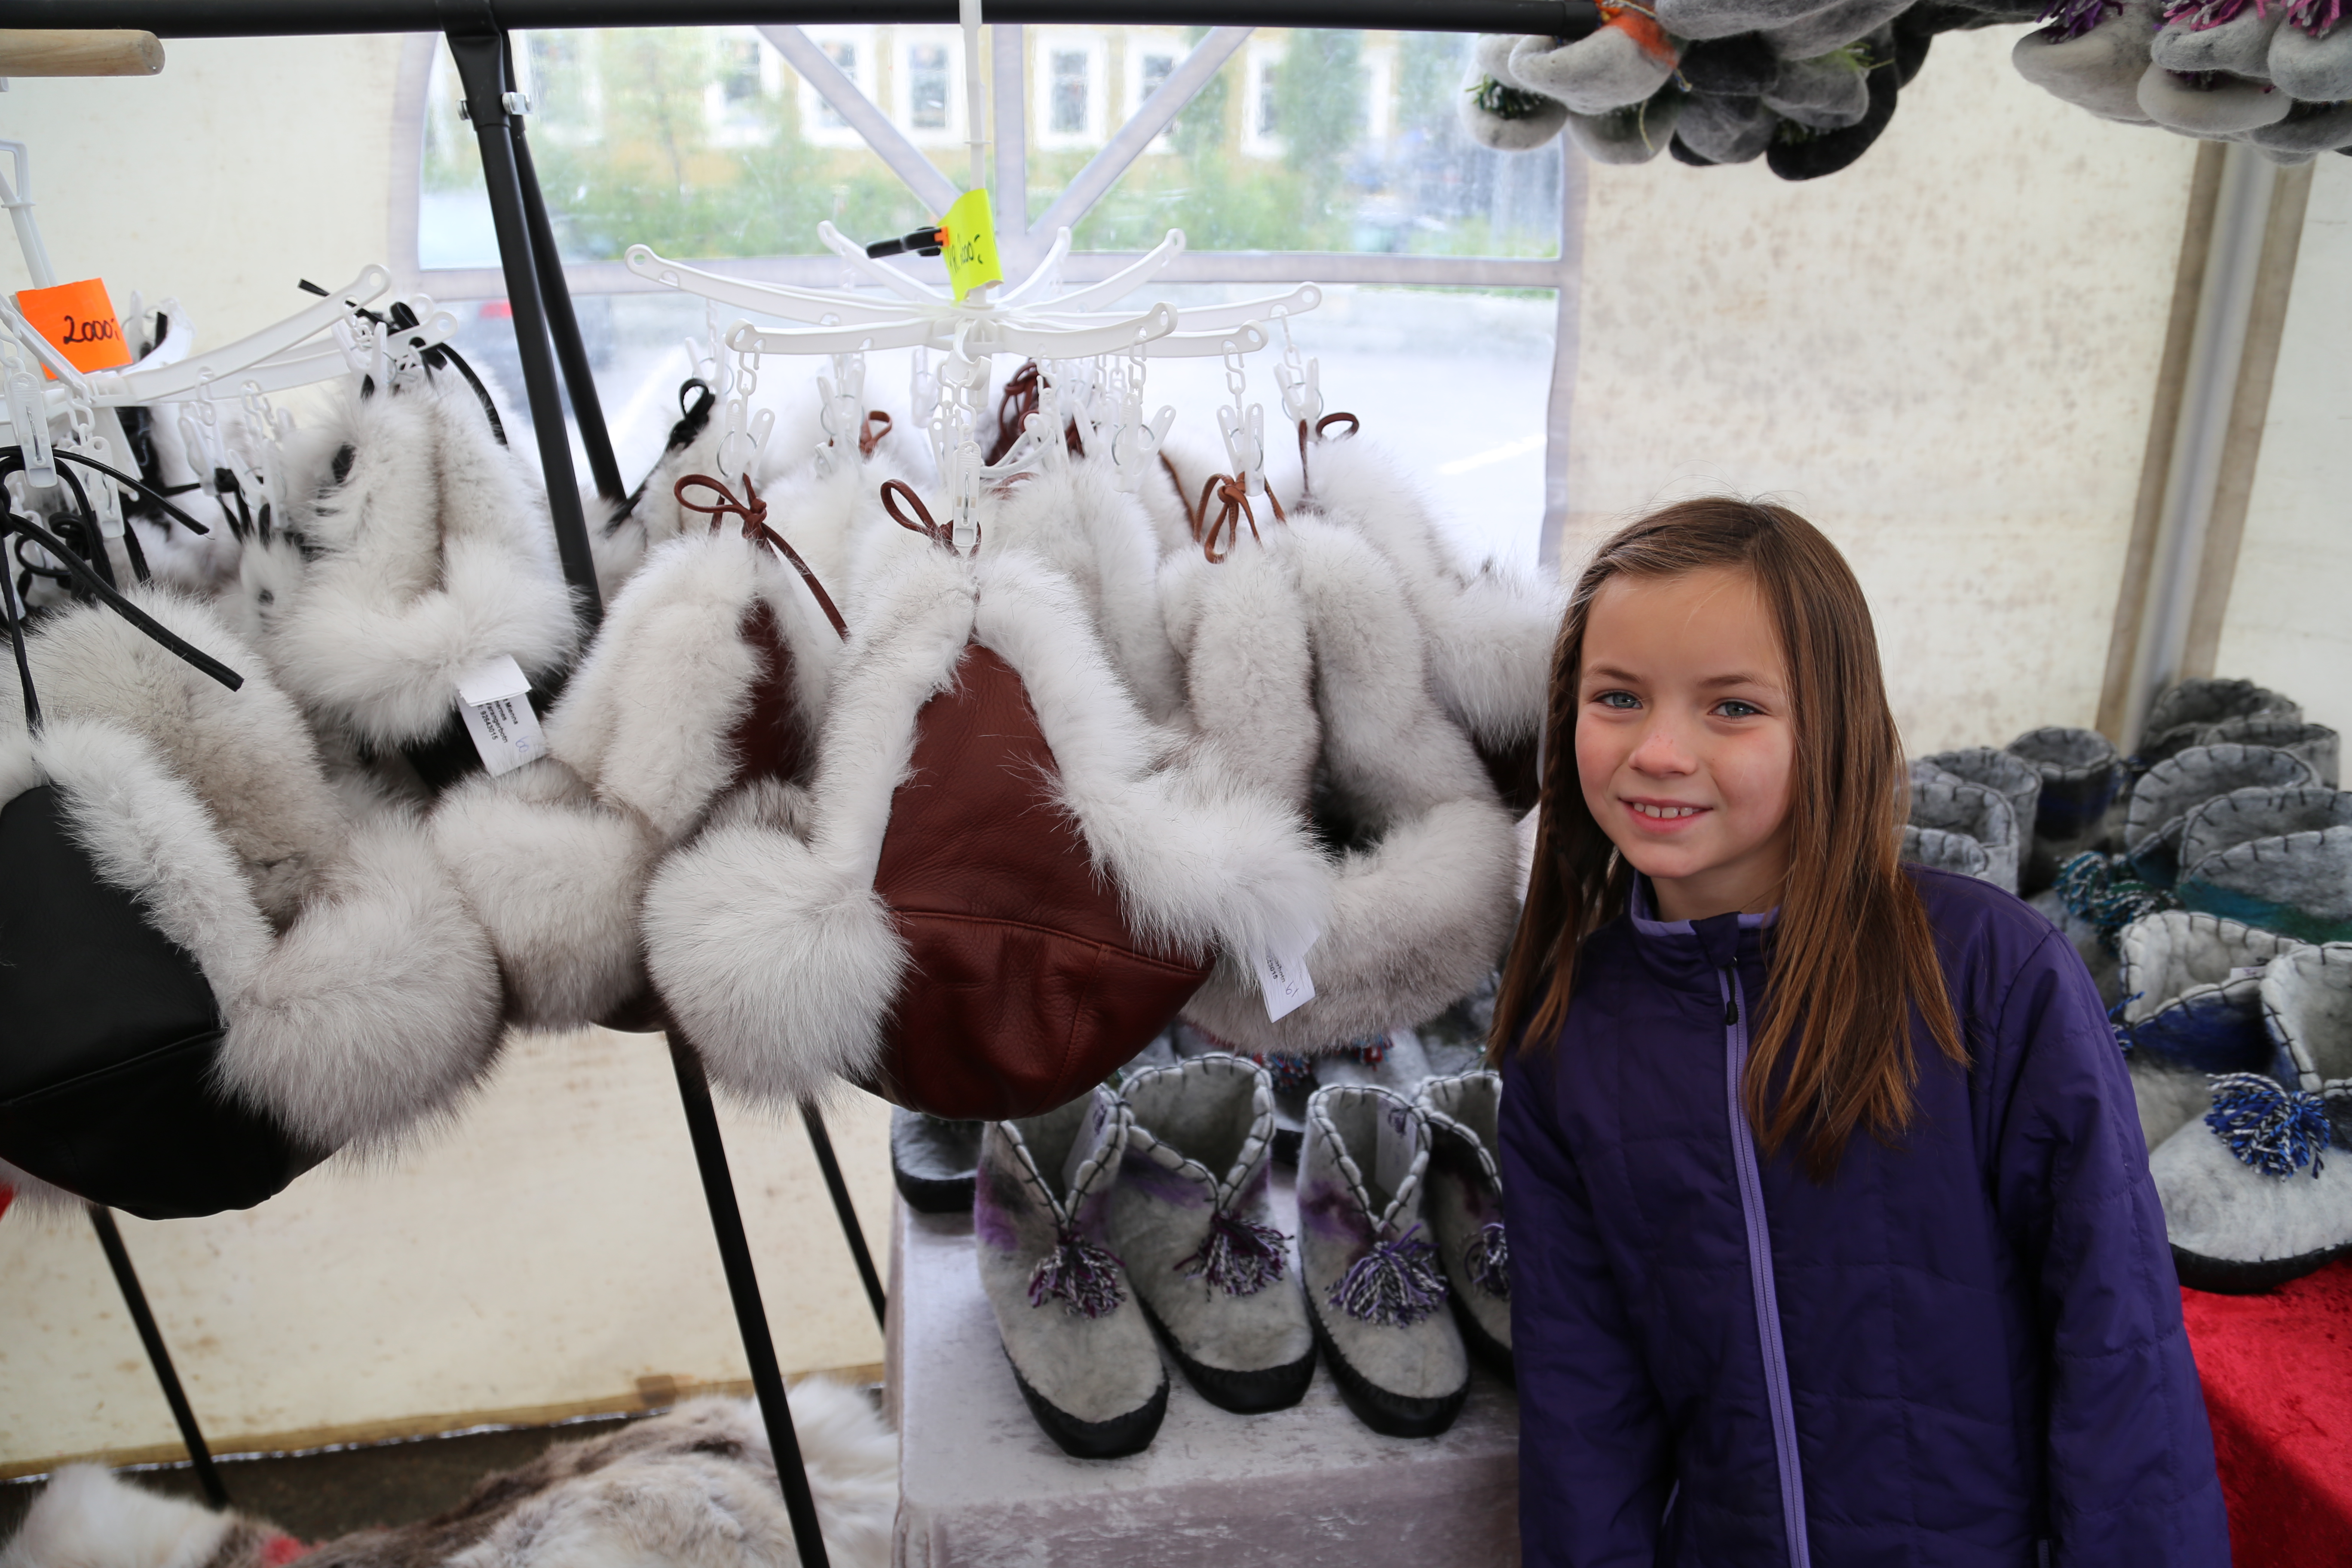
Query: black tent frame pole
743	1286
491	103
118	1258
563	323
851	1231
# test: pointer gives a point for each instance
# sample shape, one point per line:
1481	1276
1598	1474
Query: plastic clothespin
1244	434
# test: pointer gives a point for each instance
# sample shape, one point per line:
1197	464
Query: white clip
28	411
1244	434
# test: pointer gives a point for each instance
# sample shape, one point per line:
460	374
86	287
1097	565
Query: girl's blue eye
1624	701
1732	707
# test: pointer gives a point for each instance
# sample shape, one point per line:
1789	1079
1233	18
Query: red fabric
280	1550
2278	1371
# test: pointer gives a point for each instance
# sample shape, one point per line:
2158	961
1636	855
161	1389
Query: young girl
1833	1240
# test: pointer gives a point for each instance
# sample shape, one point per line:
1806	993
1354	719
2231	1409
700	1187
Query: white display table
982	1488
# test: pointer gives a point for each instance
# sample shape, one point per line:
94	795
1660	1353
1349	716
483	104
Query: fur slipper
2311	56
1488	633
1725	130
1626	60
1423	893
2093	55
692	1487
428	556
2192	992
192	1057
2233	35
1955	805
1001	853
1634	134
2209	106
2165	795
1506	118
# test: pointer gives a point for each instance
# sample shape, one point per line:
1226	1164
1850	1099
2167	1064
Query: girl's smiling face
1684	744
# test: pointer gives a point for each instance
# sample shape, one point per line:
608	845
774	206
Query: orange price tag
79	320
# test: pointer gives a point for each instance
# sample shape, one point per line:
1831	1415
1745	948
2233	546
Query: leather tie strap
1305	487
1217	539
754	513
868	438
939	533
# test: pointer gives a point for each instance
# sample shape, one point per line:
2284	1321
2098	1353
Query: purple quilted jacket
1963	1350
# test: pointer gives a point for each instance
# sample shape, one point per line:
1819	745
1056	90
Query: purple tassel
1078	1272
1240	1257
2275	1130
1394	1286
1486	1259
2202	14
2314	16
2073	18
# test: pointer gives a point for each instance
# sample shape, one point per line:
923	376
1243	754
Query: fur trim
380	1002
777	957
1488	633
556	880
695	1487
1419	917
246	754
1249	674
434	555
647	716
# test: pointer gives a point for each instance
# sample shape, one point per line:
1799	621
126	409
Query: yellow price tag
970	229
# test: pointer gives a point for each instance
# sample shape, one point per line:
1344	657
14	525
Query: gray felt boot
1191	1219
1725	130
1079	1347
1622	62
1826	93
2193	992
2280	859
2209	106
1464	1200
2166	795
1955	805
2248	1203
2238	44
1995	769
2081	776
1946	851
1634	135
2317	744
1375	1290
934	1162
1507	118
2092	57
2177	719
2310	60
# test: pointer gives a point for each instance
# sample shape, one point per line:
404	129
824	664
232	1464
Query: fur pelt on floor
694	1489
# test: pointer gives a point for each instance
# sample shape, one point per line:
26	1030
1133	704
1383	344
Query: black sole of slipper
1244	1393
1113	1439
1482	1344
2231	1277
1389	1413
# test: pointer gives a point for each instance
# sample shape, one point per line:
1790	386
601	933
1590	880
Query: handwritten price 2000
97	331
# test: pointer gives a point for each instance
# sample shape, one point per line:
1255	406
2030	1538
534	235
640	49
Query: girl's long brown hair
1853	955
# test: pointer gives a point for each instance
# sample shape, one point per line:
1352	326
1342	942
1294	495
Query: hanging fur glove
1625	61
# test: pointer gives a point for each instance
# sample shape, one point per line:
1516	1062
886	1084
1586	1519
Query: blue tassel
2275	1130
2096	889
2116	1022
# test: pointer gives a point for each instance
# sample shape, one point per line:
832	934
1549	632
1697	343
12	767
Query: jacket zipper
1760	1271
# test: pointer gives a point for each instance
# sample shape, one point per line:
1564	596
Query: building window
851	51
1261	109
746	80
927	86
1068	69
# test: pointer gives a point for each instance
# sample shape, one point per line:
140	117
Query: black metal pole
851	1231
743	1285
127	1278
481	66
562	321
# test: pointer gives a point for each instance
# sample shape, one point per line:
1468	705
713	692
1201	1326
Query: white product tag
1394	1147
495	698
2249	971
1282	977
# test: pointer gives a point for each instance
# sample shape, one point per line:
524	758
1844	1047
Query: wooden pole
79	51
